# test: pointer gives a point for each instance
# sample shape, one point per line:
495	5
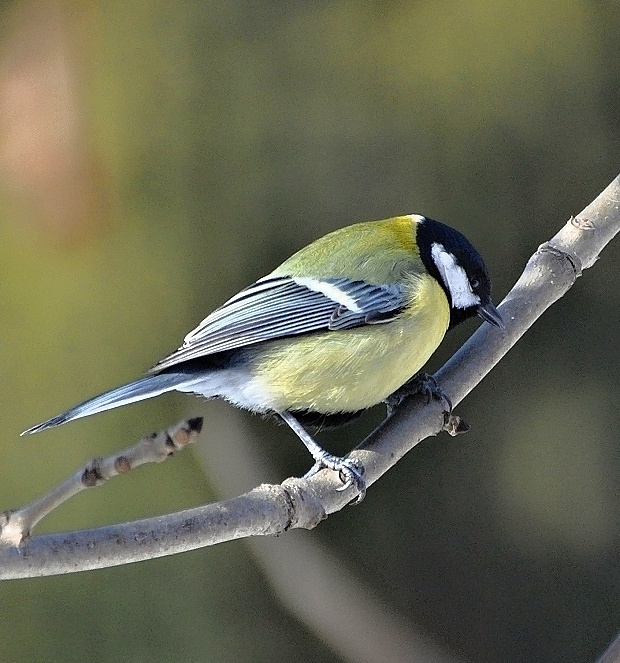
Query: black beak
488	312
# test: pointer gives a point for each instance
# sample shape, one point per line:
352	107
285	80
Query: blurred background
156	157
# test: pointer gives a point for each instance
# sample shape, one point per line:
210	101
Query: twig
612	653
295	503
16	525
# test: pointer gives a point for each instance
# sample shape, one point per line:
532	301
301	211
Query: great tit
337	328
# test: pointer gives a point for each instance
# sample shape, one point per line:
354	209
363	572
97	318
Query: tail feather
147	387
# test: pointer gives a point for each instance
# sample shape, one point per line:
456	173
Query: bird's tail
146	387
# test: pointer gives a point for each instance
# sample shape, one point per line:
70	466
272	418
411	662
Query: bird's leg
424	384
351	473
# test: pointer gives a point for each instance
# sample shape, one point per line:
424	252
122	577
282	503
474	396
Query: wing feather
281	306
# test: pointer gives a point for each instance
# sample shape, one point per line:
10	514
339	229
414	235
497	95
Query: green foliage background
224	136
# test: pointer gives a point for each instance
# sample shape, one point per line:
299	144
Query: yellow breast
350	370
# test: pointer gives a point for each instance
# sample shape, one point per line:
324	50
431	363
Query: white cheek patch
331	291
454	277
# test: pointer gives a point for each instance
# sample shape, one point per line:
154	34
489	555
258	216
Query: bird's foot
424	384
351	473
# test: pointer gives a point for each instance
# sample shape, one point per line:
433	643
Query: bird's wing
280	306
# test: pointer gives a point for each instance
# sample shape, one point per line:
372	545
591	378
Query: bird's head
460	270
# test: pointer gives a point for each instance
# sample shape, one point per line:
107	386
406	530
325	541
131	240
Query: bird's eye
475	283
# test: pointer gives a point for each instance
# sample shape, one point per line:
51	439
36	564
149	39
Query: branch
16	525
299	503
612	653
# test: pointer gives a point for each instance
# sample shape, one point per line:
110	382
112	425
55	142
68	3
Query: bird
342	325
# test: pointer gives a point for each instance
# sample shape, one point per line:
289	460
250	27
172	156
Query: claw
424	384
317	467
351	474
